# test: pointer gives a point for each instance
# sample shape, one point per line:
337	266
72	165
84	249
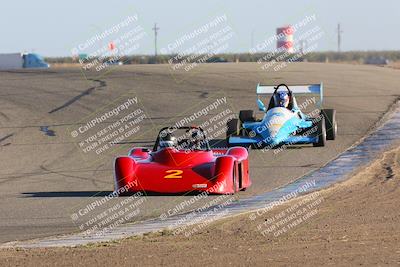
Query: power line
155	29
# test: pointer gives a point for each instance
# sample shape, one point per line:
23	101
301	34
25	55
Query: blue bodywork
279	126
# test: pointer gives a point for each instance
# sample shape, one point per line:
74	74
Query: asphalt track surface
45	177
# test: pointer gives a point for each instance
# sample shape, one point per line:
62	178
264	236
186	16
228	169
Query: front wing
246	141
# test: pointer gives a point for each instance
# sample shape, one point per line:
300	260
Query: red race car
182	161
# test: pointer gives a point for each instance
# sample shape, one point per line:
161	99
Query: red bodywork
168	170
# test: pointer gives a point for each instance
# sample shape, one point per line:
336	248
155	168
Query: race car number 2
173	174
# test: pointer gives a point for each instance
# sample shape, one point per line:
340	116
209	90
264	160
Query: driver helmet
283	99
168	141
196	136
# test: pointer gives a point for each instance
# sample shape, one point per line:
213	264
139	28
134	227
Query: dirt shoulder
353	223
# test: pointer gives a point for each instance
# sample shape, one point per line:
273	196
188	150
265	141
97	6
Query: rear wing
296	89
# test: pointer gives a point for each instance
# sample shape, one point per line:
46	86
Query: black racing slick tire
232	129
330	122
247	115
321	132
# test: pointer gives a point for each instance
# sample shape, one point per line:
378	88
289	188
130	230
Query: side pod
224	175
124	172
242	171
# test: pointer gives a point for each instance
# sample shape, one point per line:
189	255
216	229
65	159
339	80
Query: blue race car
283	122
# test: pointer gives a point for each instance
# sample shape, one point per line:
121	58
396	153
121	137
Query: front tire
232	128
321	132
330	122
247	115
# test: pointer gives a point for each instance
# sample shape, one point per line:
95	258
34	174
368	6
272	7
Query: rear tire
321	132
232	129
330	122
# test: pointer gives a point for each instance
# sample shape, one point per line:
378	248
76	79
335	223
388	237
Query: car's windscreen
183	139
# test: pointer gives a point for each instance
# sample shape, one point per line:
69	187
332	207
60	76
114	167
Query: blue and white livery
283	122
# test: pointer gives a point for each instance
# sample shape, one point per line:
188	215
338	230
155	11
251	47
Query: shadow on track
67	194
89	194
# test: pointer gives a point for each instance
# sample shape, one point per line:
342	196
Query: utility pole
339	37
303	46
155	29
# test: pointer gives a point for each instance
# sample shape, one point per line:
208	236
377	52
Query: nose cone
276	124
273	130
274	136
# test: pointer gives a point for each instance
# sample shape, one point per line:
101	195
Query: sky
55	28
